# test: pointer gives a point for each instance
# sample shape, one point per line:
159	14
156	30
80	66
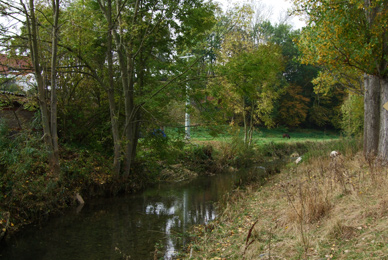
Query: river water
132	225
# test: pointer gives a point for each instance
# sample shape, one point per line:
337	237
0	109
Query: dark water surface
134	224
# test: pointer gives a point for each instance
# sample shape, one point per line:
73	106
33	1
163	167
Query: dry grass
322	209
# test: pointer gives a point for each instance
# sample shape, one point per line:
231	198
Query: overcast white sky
279	8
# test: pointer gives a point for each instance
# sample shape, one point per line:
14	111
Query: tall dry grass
324	208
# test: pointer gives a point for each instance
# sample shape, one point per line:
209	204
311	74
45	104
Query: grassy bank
260	135
322	208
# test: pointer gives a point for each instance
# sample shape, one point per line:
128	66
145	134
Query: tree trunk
130	116
110	91
126	63
131	111
108	84
251	127
383	137
371	115
245	124
54	99
35	56
135	139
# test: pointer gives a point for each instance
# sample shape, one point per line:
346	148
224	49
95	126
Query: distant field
260	136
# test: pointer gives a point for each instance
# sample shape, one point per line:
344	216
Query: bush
27	191
22	152
156	151
353	115
236	153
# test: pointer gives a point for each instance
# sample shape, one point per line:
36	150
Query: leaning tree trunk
383	137
371	115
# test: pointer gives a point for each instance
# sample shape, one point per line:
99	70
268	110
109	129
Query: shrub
353	115
236	152
27	191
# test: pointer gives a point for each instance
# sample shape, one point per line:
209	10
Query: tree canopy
109	71
353	34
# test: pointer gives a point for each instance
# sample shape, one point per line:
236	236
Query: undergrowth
28	192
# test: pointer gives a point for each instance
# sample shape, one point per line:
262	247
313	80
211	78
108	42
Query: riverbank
29	194
322	208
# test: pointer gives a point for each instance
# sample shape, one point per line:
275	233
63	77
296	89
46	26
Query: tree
251	78
297	101
135	43
32	18
353	33
342	86
127	47
353	115
249	73
346	78
294	107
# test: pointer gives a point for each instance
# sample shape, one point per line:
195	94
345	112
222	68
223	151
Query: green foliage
85	125
27	188
31	105
22	152
81	168
158	144
345	33
353	115
326	110
236	152
4	102
200	159
157	148
348	79
11	86
319	115
24	176
249	87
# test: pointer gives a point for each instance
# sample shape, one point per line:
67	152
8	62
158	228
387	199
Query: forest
96	94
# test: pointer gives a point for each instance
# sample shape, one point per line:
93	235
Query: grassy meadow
262	135
267	144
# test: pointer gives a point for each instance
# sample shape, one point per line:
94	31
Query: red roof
14	65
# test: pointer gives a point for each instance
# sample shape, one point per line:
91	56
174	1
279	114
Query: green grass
260	136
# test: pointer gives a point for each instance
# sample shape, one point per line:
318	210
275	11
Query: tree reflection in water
134	224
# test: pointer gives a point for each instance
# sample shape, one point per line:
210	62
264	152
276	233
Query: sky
279	8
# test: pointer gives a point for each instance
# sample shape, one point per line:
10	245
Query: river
132	225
